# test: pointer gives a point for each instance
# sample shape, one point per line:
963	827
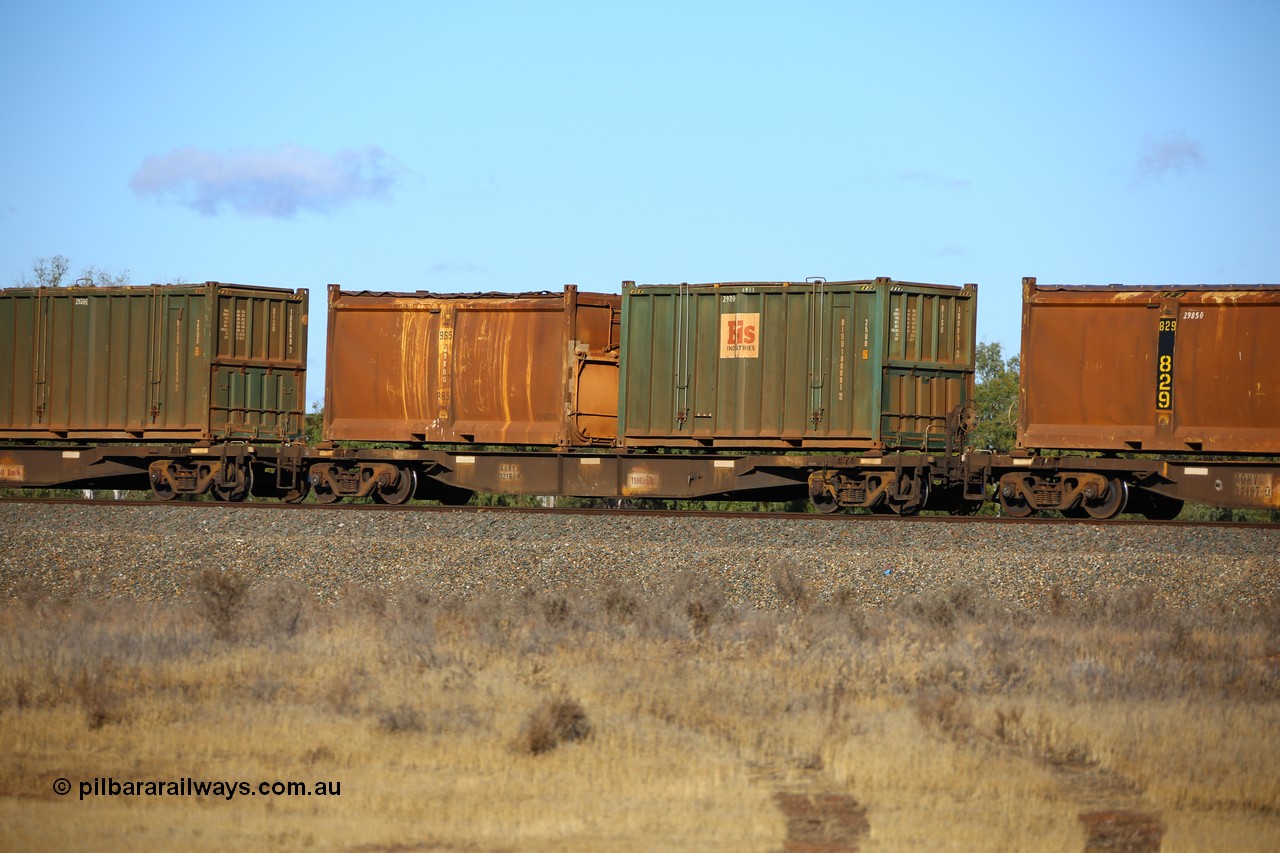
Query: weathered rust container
192	362
538	369
863	365
1151	368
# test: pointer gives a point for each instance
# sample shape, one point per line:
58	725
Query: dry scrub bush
100	695
403	718
791	585
221	596
280	608
945	609
557	720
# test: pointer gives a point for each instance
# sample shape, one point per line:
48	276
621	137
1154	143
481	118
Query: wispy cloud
932	179
277	183
1172	154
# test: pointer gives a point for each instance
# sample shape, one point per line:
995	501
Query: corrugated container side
534	369
864	364
197	362
259	381
1166	369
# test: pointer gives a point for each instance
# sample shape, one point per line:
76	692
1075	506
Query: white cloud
277	183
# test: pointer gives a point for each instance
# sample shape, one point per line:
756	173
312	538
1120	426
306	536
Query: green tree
314	425
996	396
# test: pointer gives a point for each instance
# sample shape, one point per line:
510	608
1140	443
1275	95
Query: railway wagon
194	363
1175	386
536	369
874	365
1151	369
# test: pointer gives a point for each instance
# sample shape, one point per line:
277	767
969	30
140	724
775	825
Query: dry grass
635	721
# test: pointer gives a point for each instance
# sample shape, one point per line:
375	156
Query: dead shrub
360	601
700	617
347	689
945	609
280	606
792	586
221	596
1008	727
620	605
555	610
557	720
402	718
414	628
1132	607
946	711
700	601
99	695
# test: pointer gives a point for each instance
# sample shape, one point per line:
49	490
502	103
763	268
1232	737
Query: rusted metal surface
230	471
1103	487
875	364
194	362
535	369
1164	369
451	474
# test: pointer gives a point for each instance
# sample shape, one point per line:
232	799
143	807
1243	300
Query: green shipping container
858	365
201	362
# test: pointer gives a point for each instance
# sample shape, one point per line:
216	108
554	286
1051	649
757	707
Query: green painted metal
200	362
857	365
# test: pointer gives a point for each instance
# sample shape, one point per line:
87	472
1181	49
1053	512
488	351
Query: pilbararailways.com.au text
106	786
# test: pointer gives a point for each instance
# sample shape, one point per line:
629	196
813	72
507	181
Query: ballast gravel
153	553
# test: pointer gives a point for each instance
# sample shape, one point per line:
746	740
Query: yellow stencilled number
1164	383
1168	325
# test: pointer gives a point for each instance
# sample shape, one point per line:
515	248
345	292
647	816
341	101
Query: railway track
826	518
151	550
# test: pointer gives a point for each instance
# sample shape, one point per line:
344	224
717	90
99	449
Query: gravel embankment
151	553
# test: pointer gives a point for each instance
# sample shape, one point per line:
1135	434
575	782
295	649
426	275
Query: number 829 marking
1164	364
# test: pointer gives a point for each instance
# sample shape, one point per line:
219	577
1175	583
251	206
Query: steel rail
829	518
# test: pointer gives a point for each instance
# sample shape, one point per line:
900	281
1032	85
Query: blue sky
521	146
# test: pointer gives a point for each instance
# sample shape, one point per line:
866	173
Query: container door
257	389
855	381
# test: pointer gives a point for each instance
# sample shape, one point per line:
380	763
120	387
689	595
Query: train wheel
824	506
1014	504
823	501
162	490
406	485
912	507
1113	504
324	494
239	490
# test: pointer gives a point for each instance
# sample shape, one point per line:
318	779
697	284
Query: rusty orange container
538	369
1150	368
